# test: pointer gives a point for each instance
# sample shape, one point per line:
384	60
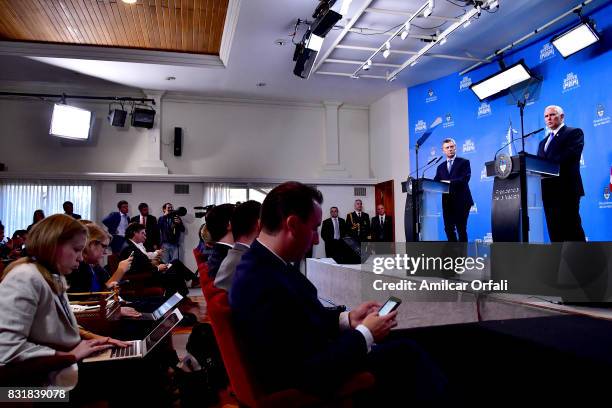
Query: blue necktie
550	138
449	165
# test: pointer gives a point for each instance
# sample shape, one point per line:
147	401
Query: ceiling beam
407	14
371	31
356	62
393	51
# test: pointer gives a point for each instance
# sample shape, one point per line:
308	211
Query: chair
139	284
242	382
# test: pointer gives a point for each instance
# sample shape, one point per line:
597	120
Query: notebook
139	348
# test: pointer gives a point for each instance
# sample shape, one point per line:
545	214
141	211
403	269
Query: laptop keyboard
129	351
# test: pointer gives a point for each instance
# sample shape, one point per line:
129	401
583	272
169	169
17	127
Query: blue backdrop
580	84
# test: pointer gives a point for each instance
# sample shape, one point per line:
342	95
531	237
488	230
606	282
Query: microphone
518	138
434	159
433	164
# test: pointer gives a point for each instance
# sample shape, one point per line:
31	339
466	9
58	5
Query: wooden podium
423	208
517	214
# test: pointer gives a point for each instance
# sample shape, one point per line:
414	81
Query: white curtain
20	198
217	193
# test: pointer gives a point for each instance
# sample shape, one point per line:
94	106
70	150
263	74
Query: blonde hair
95	234
43	240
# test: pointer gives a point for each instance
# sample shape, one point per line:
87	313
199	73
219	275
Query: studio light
116	117
575	39
143	118
367	65
504	79
70	122
429	9
467	24
443	41
387	50
406	31
325	18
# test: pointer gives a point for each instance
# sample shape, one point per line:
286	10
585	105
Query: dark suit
561	195
457	203
382	233
217	255
112	221
152	231
358	227
332	246
291	341
173	279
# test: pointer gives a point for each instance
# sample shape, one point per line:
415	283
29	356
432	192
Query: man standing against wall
170	228
358	223
561	195
382	226
117	222
332	231
457	203
150	224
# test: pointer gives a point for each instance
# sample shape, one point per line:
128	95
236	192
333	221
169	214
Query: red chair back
220	315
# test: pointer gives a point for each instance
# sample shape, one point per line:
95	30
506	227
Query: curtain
20	198
217	193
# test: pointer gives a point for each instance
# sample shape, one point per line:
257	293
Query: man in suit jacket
332	232
457	203
218	222
171	277
382	226
561	195
150	224
69	210
117	222
358	223
245	228
289	339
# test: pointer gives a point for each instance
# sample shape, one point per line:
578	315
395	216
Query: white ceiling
255	58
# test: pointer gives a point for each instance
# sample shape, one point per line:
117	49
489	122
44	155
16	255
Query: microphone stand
521	105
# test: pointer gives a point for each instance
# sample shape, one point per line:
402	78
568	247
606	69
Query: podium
423	208
517	214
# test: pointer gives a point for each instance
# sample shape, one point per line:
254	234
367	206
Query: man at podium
457	203
561	195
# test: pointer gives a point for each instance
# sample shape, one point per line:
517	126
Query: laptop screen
167	305
161	330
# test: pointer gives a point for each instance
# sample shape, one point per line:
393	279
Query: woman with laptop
36	319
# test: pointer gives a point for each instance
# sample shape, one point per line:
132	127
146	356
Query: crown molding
87	52
229	29
185	178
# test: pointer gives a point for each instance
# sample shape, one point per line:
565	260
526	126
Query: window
19	200
217	193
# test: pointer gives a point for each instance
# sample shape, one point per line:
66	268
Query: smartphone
390	305
131	254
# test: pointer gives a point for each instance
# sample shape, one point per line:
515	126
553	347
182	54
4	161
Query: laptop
168	305
139	348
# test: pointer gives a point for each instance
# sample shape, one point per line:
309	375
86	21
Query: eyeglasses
105	247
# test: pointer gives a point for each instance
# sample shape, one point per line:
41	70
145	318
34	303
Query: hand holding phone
390	305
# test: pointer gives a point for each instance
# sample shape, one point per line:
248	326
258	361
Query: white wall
222	139
390	148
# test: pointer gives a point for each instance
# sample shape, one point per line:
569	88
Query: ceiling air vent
360	192
124	188
181	189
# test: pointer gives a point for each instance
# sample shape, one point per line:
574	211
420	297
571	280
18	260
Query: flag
610	178
509	137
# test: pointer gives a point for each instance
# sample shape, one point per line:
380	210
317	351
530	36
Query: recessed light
130	1
170	78
261	84
280	42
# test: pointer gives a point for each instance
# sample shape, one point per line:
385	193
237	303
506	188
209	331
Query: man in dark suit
220	230
69	210
382	226
171	277
290	340
457	203
332	232
561	195
358	223
150	224
117	222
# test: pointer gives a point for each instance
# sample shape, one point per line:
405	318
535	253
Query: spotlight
575	39
367	65
504	79
304	57
143	118
443	41
427	12
325	18
414	63
406	31
314	42
116	117
386	53
467	24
